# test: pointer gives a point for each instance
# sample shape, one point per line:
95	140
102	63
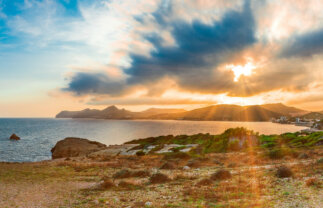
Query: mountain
112	112
86	113
283	109
211	113
224	113
156	111
313	115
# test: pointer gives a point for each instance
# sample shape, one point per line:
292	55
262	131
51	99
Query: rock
159	178
74	147
14	137
148	204
113	150
186	168
221	175
283	172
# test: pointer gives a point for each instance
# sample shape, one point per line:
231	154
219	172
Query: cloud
305	45
199	48
94	83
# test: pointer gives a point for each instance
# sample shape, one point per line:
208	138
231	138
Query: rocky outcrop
14	137
74	147
114	150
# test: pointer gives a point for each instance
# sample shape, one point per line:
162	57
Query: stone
14	137
75	147
186	168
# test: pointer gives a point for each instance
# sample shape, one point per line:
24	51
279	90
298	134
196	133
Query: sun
239	70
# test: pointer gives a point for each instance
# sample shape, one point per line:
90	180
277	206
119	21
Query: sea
39	135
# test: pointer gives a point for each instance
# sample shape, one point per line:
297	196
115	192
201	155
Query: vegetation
233	139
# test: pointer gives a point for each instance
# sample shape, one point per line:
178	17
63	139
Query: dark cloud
94	83
148	101
199	48
304	45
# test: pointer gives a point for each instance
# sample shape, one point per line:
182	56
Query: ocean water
39	135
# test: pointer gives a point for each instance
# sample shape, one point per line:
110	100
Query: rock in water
14	137
74	147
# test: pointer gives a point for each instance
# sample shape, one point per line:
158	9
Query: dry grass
253	183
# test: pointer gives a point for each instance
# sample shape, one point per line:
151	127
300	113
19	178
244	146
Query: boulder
14	137
74	147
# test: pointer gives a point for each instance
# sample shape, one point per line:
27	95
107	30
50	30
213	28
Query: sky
73	54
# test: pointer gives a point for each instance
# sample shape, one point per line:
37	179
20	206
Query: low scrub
125	173
233	139
159	178
284	172
221	175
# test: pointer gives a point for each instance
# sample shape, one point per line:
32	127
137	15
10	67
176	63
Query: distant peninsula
211	113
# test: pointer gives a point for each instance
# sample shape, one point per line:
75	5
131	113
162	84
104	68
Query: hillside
283	109
156	111
112	112
313	115
224	113
211	113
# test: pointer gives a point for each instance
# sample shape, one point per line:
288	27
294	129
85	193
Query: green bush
140	153
275	153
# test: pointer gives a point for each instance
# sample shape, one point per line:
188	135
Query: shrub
320	161
221	175
140	173
159	178
176	155
140	153
168	166
275	154
193	163
311	181
204	182
234	145
106	183
124	173
303	156
128	185
283	172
